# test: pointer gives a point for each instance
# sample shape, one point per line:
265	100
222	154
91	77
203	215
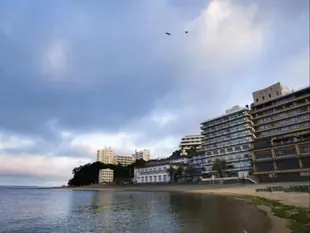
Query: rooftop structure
270	93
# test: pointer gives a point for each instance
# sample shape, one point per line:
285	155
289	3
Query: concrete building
106	156
124	160
157	170
106	175
227	137
190	141
172	160
270	93
142	154
152	174
281	151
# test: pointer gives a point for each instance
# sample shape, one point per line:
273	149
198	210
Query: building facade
227	137
157	170
106	175
152	174
270	93
124	160
190	141
142	154
106	156
281	151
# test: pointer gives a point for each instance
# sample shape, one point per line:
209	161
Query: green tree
89	173
176	153
192	151
219	166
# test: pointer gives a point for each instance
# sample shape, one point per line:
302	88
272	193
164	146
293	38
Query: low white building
156	171
152	174
105	175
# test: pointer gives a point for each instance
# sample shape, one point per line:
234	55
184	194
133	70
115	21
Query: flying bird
186	32
167	33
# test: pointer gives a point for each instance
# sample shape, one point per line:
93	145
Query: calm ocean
57	211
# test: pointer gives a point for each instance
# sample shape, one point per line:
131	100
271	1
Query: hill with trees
88	173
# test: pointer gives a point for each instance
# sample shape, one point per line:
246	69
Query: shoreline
295	199
265	201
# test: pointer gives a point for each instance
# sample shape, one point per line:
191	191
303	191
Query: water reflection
129	212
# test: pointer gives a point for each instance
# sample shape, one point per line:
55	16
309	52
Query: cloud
78	76
43	168
55	60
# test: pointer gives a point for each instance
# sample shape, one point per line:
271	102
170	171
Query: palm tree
219	166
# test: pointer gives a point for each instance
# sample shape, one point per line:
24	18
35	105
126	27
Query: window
246	146
269	95
256	99
263	97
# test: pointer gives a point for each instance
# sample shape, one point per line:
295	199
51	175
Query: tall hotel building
106	156
124	160
190	141
281	151
142	154
228	137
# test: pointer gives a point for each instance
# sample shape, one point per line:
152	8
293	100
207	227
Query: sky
76	76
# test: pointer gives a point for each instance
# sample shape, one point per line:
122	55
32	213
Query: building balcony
300	127
290	139
206	130
228	131
272	112
227	145
220	121
280	102
285	123
229	138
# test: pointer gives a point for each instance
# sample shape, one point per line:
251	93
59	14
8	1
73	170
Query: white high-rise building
124	160
106	156
142	154
190	141
228	137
